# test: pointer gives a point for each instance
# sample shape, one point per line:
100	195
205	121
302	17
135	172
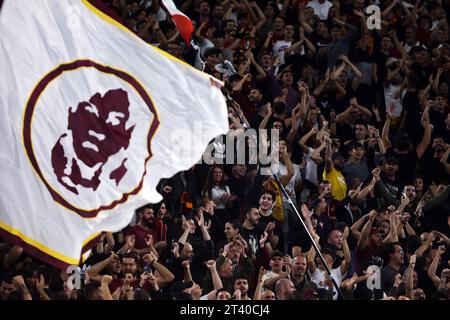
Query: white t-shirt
393	105
269	275
311	168
297	177
280	47
320	9
217	193
318	278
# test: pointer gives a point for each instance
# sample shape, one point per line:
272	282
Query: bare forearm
217	282
165	275
258	291
187	275
184	236
205	234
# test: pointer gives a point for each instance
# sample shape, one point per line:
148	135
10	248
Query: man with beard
301	282
250	230
241	287
431	166
144	230
334	166
285	289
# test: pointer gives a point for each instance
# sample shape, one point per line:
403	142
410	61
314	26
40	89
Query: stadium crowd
363	119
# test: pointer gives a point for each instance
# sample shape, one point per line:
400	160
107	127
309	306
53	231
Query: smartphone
148	269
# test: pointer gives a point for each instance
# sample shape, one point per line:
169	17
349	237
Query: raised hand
186	264
149	240
211	264
106	279
131	241
305	212
175	249
185	224
263	239
270	226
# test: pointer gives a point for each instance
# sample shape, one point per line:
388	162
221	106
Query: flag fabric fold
93	118
183	23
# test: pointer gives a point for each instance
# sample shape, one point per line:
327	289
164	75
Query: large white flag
92	119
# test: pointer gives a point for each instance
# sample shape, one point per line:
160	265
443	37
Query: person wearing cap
275	273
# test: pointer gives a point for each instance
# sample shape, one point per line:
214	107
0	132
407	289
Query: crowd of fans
364	125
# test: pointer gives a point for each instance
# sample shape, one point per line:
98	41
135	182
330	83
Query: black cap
276	253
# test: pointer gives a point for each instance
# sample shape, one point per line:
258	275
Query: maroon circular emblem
87	160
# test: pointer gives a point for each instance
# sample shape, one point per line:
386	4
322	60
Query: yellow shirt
338	185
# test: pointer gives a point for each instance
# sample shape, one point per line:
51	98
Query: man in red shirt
144	231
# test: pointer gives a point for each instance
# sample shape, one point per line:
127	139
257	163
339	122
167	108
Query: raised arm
345	265
12	256
303	22
365	232
217	282
19	282
444	160
328	156
266	119
285	179
437	80
304	139
392	235
261	72
259	286
426	138
433	266
310	258
385	131
410	277
185	227
424	246
165	276
99	266
356	226
354	68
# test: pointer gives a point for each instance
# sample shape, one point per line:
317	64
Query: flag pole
310	238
